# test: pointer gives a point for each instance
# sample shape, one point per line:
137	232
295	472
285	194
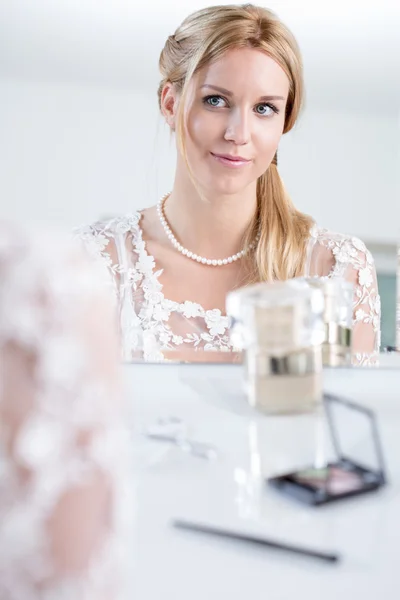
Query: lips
231	157
231	160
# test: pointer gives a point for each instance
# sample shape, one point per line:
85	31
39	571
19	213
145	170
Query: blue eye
213	101
266	109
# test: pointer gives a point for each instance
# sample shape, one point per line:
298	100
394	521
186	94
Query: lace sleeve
110	243
336	255
102	242
63	446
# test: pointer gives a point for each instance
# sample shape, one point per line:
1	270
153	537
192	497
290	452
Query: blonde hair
205	36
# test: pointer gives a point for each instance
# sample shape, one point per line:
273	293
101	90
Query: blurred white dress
63	446
152	324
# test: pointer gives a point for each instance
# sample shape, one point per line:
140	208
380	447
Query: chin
223	184
227	187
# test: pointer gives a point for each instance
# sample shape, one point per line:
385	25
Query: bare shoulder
150	225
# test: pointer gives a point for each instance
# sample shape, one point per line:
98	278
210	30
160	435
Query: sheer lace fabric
335	255
65	513
151	324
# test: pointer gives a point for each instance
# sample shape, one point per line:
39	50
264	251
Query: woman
64	451
232	84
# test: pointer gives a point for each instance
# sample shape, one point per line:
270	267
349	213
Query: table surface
182	565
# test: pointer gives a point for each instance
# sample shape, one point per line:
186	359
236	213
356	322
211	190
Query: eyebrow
228	93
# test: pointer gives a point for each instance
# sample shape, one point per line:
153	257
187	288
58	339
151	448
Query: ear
169	104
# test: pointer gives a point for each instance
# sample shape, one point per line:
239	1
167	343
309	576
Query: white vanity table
180	565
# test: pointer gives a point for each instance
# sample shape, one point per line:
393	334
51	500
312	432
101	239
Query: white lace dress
65	510
151	324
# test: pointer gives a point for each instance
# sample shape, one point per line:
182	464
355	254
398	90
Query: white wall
71	153
343	168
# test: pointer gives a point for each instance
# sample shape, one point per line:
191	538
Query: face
235	118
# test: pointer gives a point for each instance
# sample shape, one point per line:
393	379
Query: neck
211	224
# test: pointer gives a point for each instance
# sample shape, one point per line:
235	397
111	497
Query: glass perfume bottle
279	328
337	316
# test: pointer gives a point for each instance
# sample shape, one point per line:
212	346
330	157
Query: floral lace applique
161	324
353	261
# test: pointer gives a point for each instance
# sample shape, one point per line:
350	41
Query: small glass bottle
279	327
337	316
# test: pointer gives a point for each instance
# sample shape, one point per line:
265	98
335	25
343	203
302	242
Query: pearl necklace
200	259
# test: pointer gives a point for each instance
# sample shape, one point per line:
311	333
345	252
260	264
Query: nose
238	127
